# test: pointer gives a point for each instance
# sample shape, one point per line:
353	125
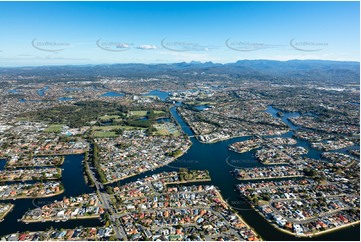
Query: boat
57	221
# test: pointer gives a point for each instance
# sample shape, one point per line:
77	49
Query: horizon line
172	63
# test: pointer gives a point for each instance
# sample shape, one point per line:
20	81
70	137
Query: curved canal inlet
215	157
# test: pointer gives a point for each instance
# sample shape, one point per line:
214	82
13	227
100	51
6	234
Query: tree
119	131
110	190
309	172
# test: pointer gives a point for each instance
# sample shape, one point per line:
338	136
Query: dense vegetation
81	113
96	162
78	114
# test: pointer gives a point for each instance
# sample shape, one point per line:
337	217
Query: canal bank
216	158
213	157
74	185
220	161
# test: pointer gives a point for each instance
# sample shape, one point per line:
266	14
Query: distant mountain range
302	70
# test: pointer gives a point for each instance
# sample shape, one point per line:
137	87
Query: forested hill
296	70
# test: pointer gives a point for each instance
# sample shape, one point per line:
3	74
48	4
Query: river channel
216	158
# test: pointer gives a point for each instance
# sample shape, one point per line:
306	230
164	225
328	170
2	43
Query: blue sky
56	33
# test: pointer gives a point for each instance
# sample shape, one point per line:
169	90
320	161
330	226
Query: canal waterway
216	158
74	184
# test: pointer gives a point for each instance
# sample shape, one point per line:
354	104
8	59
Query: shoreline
232	137
222	139
268	178
136	174
27	197
241	151
2	217
62	154
336	228
60	172
239	216
25	180
190	181
310	235
53	220
37	166
272	163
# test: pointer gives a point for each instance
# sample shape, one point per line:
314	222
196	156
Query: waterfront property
36	161
135	152
36	190
5	208
302	207
84	206
30	174
93	233
151	209
251	144
268	172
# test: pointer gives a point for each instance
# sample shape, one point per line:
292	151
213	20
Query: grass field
200	103
138	113
108	117
113	127
104	134
159	112
54	128
166	129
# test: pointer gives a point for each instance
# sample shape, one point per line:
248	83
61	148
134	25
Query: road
104	198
